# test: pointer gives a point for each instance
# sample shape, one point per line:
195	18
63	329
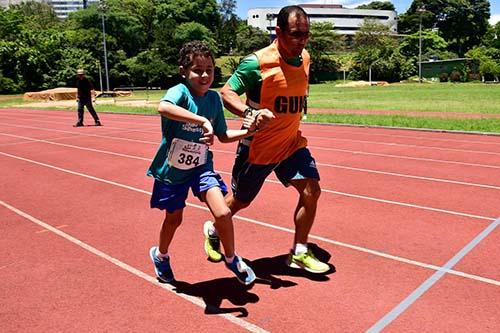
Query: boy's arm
235	135
177	113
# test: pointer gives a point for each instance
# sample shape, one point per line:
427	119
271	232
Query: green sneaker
308	262
212	243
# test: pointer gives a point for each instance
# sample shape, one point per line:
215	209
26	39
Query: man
275	81
85	95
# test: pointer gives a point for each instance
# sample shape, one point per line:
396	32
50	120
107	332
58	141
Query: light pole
270	17
103	8
420	10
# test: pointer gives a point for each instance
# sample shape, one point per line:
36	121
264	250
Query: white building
346	21
61	7
64	7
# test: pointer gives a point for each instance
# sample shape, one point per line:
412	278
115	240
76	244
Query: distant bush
443	77
455	76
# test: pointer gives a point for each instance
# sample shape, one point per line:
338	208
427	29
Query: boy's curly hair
193	49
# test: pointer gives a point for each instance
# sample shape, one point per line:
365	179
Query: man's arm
232	101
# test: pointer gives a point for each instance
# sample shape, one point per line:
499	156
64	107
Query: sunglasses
299	34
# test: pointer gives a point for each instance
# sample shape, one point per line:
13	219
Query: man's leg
79	122
305	212
94	115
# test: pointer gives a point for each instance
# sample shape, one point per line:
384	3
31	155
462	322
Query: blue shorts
173	197
247	178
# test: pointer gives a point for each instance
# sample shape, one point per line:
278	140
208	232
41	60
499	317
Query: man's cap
80	71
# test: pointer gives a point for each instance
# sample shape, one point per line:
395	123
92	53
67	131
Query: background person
85	96
275	81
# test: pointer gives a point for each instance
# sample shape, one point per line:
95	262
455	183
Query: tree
492	37
250	39
380	5
226	33
378	52
322	43
462	23
431	43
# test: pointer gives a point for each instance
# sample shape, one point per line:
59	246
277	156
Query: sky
402	6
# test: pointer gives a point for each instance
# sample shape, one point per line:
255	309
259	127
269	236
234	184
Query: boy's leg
223	218
224	225
170	224
172	199
159	254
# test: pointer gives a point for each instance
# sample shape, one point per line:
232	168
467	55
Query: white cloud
494	19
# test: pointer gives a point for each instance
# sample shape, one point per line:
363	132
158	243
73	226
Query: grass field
473	98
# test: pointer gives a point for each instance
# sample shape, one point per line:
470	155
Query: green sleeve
247	78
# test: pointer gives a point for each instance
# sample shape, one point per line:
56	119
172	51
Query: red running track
407	218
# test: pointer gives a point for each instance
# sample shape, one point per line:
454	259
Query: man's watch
248	111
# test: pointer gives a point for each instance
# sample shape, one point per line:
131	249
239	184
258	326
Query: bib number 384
186	155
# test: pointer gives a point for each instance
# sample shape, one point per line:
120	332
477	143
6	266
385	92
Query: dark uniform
84	94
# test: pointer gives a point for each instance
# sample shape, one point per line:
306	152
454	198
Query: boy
191	115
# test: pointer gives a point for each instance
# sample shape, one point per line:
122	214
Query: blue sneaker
162	267
243	273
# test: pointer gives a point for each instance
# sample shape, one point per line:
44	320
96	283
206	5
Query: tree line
39	51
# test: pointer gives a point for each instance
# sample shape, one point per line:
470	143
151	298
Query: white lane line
309	146
427	284
440	180
352	152
121	118
82	134
357	152
321	164
403	204
365	133
125	122
392	144
196	301
253	221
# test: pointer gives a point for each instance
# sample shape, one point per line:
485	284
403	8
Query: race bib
186	155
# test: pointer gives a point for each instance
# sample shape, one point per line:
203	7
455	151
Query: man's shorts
247	179
173	197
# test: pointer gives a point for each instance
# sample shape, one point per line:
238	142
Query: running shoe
212	243
162	267
308	262
243	272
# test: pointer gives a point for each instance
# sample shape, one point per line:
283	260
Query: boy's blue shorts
173	197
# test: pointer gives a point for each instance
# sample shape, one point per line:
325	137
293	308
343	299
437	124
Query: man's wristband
248	111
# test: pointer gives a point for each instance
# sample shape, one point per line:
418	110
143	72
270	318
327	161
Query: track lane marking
427	284
306	126
253	221
196	301
310	146
455	182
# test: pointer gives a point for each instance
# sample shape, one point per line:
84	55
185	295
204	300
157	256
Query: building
61	7
346	21
7	3
64	7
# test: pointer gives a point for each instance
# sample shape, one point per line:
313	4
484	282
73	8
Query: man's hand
208	133
264	116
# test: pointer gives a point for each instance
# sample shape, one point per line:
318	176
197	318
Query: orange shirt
284	88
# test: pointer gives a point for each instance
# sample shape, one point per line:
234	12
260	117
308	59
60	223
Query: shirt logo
289	104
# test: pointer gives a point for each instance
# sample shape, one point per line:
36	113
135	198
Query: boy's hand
208	133
250	123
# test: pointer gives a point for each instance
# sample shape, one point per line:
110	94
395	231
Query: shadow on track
267	268
213	292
